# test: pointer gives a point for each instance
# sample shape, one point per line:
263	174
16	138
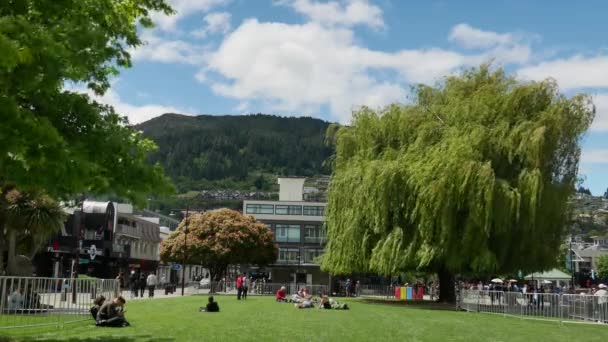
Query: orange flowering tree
220	238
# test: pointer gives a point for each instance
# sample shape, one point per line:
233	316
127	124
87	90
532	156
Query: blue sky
324	58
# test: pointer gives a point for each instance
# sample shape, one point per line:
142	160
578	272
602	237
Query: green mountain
237	152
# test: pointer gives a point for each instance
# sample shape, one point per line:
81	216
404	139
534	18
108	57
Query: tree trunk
11	267
447	282
37	243
215	274
1	257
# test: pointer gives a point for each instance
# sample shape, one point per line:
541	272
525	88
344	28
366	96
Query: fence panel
376	291
546	306
34	301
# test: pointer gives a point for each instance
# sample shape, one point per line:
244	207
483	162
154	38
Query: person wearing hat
602	301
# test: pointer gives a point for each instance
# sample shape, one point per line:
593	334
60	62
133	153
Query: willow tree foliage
216	239
472	176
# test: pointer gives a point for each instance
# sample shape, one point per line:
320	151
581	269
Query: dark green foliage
56	139
243	152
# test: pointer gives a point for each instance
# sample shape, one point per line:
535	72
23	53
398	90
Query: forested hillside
243	152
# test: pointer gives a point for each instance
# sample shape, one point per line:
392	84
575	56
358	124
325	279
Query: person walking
602	302
121	281
347	287
246	284
142	284
239	287
151	282
133	278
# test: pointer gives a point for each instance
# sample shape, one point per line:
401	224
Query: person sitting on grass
211	306
98	303
301	296
325	304
112	314
281	294
329	303
304	304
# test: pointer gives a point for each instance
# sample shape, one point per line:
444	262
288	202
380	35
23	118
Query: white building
297	226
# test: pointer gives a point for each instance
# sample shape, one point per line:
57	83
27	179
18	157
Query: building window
311	254
260	209
288	210
314	210
314	234
289	255
287	233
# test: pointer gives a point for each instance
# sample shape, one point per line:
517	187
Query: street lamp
185	246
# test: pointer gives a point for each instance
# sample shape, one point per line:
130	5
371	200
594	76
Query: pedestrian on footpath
133	278
239	287
142	284
246	284
151	282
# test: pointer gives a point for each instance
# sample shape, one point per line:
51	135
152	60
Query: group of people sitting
109	314
304	300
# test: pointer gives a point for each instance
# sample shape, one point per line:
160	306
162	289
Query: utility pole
571	262
185	246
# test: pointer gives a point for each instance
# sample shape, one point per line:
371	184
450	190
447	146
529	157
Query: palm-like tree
31	217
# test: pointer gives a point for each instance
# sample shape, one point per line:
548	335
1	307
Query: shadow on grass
138	338
425	305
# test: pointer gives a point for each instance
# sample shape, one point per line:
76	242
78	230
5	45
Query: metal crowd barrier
546	306
376	291
30	302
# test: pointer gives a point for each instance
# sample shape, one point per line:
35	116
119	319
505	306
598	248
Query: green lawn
261	319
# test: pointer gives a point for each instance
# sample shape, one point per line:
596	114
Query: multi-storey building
298	230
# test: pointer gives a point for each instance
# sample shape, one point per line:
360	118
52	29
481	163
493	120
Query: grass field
261	319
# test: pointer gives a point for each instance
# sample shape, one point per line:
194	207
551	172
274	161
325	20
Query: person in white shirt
602	302
151	282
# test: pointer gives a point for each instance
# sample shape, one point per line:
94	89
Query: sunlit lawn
261	319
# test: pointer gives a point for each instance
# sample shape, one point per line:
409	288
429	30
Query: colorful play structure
409	293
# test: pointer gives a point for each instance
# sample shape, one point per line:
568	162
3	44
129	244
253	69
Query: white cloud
502	47
183	9
594	157
305	67
135	113
214	23
576	72
471	37
339	13
157	49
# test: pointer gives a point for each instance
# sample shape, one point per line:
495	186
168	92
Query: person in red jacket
239	287
281	293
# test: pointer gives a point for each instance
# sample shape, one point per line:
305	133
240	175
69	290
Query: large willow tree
472	176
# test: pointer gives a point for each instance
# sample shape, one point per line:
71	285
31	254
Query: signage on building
92	252
176	267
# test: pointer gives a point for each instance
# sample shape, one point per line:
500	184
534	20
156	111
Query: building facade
298	230
101	239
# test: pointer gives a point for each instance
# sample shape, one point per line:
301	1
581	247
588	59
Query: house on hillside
586	255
